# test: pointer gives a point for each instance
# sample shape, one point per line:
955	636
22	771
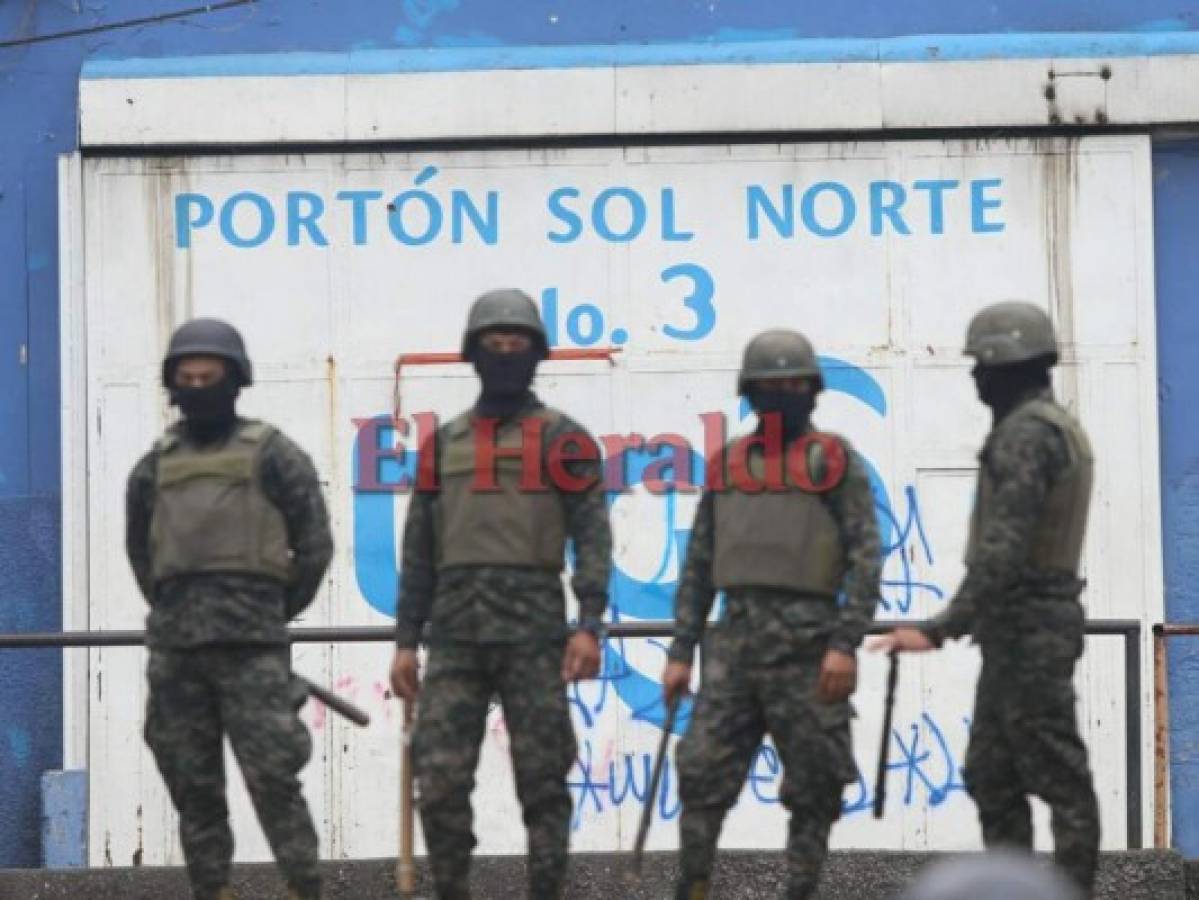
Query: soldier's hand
405	675
838	676
676	681
901	640
582	657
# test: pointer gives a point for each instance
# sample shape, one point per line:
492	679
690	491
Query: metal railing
1128	629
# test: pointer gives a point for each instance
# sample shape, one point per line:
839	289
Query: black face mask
506	378
992	387
793	409
208	412
1002	387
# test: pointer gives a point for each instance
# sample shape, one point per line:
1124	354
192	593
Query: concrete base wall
1140	875
1192	876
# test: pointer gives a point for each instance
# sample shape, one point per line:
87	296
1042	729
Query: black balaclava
1003	387
794	409
506	379
210	412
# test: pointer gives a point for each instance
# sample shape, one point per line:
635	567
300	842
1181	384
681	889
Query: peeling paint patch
1163	25
418	16
421	13
19	745
405	36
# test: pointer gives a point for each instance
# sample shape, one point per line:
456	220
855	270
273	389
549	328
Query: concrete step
744	875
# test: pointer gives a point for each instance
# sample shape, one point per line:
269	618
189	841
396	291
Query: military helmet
1011	332
997	875
503	308
208	337
778	353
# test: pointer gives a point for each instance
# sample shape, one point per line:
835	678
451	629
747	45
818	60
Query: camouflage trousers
196	698
1024	741
738	704
457	690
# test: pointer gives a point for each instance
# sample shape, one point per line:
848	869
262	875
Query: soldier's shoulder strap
1064	424
447	437
841	439
168	441
829	473
255	431
551	419
559	425
456	426
1048	411
549	415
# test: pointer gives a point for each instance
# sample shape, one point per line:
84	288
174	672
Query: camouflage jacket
1025	455
506	604
220	608
781	624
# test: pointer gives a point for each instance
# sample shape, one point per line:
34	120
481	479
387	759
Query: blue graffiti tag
899	595
914	763
601	786
926	761
931	771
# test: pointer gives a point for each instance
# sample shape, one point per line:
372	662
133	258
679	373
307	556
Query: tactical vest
783	539
1057	537
509	525
210	512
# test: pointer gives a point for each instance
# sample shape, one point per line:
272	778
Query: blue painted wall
1176	214
38	121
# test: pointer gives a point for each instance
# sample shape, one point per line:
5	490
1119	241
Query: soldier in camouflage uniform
482	568
782	661
229	538
1019	599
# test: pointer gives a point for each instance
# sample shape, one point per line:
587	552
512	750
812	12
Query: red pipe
426	359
